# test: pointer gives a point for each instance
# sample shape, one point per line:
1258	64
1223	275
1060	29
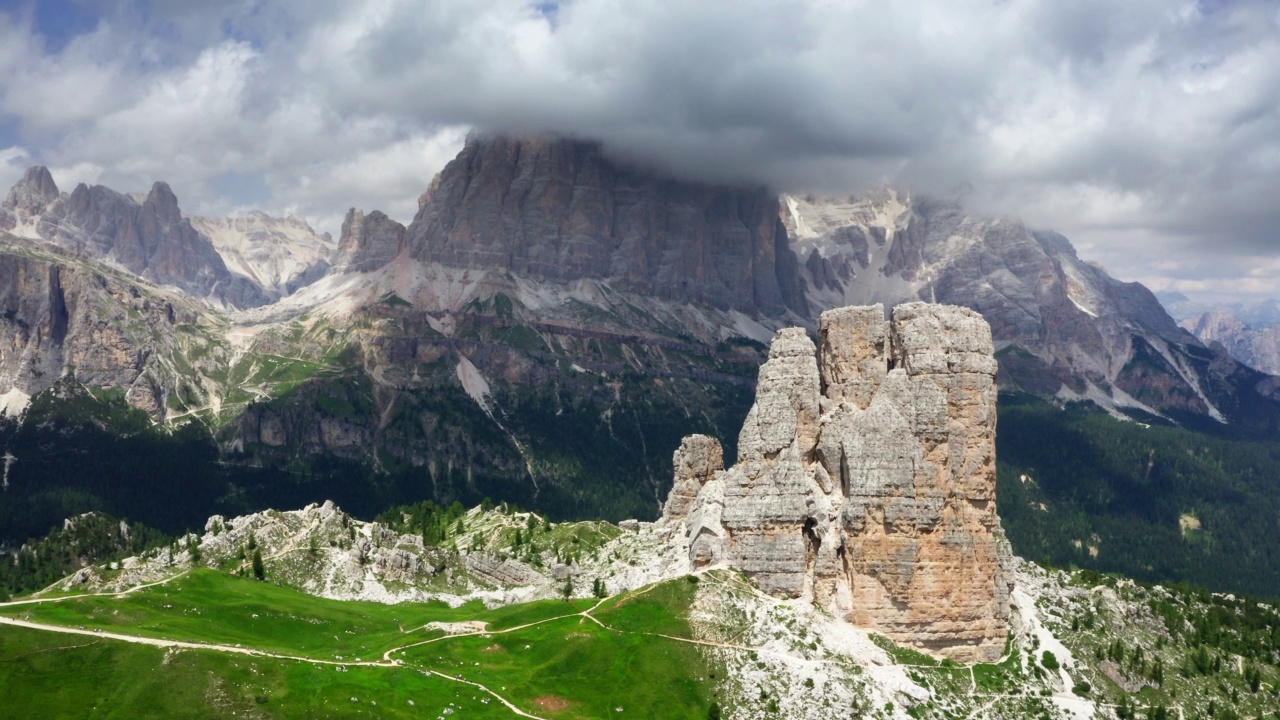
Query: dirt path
120	594
159	642
486	632
460	679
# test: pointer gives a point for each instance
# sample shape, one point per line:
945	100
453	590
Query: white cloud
1142	129
388	178
13	161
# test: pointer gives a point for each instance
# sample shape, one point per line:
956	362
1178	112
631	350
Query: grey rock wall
557	209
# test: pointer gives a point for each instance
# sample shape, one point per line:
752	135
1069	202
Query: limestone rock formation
33	193
865	479
112	333
368	241
147	237
550	208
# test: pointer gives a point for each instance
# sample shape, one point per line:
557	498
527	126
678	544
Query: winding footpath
385	662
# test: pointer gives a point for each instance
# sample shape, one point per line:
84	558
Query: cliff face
111	334
557	209
368	241
150	238
865	479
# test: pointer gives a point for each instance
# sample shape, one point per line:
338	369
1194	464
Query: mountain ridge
148	235
567	386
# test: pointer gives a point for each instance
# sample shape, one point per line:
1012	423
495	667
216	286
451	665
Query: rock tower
865	479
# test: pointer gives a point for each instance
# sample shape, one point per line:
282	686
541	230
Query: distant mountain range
1260	315
234	263
1249	332
549	325
1257	347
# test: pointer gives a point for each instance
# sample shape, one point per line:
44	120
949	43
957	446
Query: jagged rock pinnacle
865	479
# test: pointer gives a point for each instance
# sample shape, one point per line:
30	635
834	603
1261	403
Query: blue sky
61	20
1147	131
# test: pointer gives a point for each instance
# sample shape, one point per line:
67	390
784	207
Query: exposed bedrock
866	479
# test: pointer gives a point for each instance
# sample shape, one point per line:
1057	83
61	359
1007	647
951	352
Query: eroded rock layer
865	479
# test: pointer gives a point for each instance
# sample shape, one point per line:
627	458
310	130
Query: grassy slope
47	675
564	666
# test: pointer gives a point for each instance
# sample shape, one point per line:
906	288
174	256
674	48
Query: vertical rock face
866	479
368	241
33	193
558	209
150	238
110	333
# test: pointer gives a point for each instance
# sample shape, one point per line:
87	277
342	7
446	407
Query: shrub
1049	661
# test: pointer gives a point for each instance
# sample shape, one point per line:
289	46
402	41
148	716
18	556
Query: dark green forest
86	539
78	451
1078	488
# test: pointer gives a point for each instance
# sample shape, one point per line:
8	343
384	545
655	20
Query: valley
477	415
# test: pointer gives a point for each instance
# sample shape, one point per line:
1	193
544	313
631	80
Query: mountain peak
164	202
552	208
368	241
33	193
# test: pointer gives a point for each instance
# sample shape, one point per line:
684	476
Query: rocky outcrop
112	334
865	479
556	209
368	242
33	193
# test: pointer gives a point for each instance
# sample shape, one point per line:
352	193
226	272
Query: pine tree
258	571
